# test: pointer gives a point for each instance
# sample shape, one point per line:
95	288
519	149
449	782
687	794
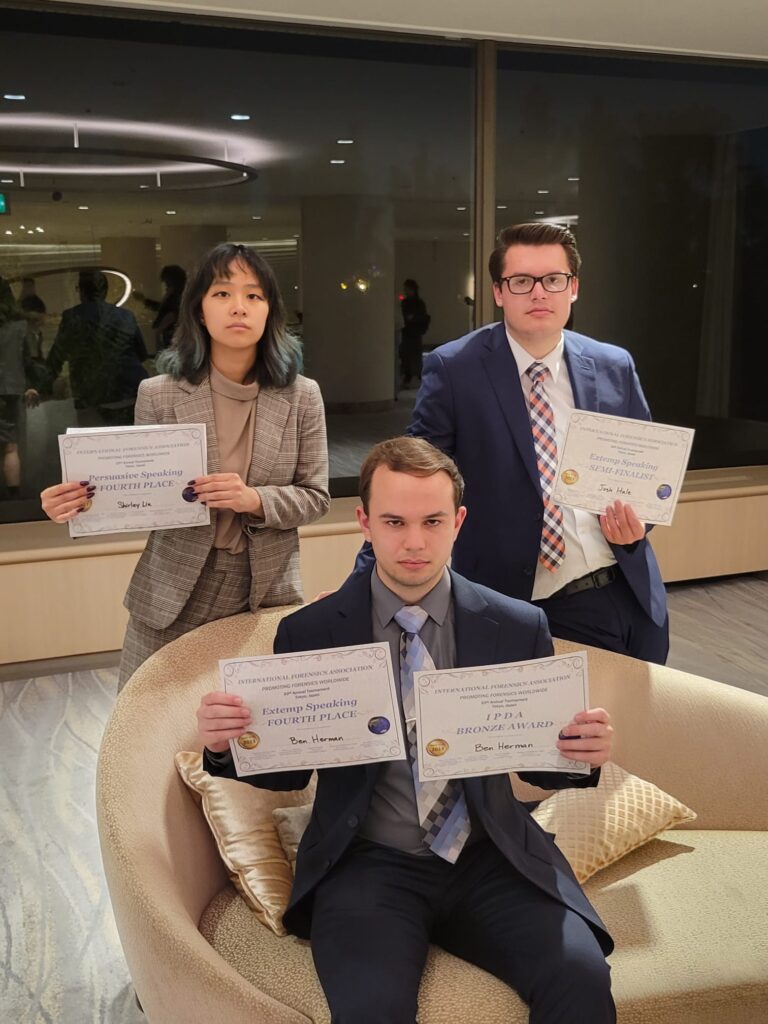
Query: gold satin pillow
240	818
597	826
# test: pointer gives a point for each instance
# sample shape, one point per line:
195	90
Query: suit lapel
272	409
504	379
195	405
476	631
582	374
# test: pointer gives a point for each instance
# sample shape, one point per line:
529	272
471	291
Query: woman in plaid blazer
234	367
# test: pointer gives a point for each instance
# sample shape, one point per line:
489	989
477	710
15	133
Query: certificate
608	457
317	709
141	476
498	718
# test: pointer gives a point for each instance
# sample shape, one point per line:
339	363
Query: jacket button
353	821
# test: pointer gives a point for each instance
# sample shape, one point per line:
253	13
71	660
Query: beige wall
667	26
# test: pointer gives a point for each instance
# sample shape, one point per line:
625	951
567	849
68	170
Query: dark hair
92	284
174	276
411	455
535	233
410	283
278	353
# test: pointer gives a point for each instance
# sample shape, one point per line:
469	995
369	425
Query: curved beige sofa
688	911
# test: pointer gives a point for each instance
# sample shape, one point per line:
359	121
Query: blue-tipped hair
278	354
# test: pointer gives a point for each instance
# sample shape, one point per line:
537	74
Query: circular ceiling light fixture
43	147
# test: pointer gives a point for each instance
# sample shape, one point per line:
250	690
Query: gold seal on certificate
498	718
141	476
316	709
605	458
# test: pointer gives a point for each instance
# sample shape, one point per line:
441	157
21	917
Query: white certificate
608	457
317	709
141	476
498	718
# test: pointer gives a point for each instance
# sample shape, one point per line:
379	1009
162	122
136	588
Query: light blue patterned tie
442	808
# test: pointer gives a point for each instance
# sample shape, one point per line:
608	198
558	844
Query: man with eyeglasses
498	400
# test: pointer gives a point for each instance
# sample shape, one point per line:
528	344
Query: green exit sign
5	204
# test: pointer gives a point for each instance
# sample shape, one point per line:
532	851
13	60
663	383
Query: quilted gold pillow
595	827
240	818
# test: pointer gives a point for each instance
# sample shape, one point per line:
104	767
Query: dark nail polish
90	490
81	509
84	483
190	482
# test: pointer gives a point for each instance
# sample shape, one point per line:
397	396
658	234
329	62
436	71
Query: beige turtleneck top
234	412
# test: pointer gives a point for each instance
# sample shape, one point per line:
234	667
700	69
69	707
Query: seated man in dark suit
376	881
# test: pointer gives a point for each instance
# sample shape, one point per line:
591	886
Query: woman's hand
227	490
64	501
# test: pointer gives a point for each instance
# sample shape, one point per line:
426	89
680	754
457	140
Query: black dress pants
608	617
377	911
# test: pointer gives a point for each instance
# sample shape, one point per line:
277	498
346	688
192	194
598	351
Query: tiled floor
60	957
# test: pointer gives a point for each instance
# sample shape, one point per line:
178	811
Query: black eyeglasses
521	284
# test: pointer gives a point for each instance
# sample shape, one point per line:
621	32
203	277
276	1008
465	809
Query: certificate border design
577	662
685	435
190	516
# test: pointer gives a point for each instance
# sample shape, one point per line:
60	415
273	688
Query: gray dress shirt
393	818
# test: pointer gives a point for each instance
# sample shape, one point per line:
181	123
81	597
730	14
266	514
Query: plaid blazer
290	468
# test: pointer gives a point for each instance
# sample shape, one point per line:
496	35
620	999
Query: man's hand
587	737
620	525
227	490
31	398
221	717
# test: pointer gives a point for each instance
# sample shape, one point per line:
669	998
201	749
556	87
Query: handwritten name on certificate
604	458
141	476
317	709
498	718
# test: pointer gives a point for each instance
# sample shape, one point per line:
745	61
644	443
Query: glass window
139	144
661	169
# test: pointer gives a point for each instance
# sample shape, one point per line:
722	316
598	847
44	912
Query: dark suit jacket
472	407
490	629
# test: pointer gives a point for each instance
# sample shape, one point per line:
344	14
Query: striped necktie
552	549
442	808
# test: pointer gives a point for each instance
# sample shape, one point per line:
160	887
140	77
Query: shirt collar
553	360
386	604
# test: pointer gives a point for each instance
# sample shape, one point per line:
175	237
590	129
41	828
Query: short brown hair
411	455
535	233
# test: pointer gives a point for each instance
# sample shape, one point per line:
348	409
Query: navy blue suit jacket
472	407
490	629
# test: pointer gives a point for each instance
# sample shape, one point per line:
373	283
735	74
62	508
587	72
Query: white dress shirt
586	549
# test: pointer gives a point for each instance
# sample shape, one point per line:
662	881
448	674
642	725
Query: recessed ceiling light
542	191
501	207
465	234
538	213
240	117
574	179
461	208
338	161
171	213
30	231
9	232
256	216
23	227
40	230
6	181
14	96
345	142
83	207
295	236
143	186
